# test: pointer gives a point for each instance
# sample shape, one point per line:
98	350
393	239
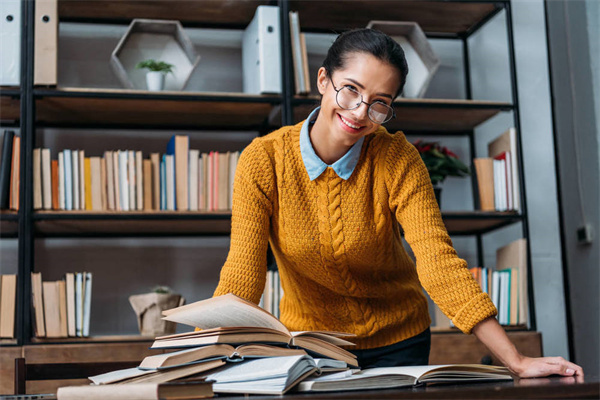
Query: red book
55	185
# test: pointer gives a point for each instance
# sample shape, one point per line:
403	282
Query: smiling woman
329	194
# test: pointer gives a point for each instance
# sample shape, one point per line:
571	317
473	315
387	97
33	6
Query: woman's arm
492	335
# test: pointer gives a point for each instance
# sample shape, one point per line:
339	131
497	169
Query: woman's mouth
348	125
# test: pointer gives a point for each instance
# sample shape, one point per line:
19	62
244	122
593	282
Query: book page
223	311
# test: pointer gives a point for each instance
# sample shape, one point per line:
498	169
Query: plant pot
155	80
438	195
149	307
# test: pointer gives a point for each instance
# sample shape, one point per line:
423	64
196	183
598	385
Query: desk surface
541	388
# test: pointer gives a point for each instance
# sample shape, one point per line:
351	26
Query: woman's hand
529	367
492	335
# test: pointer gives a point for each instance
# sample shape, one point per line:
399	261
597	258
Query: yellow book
88	183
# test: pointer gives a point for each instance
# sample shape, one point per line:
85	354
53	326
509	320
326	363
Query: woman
328	194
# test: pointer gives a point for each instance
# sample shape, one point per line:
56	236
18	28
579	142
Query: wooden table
541	388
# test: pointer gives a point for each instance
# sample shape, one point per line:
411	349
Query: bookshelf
35	108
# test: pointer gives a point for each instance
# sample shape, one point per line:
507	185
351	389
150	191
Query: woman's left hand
528	367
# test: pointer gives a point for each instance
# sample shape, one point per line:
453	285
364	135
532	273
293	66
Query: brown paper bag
149	306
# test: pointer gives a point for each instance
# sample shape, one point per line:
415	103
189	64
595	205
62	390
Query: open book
232	320
392	377
225	351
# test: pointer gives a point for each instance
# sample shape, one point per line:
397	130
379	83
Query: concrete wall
574	39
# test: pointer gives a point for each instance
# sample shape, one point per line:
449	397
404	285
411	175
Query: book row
62	308
272	294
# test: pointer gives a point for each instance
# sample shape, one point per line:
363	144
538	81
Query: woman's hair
369	41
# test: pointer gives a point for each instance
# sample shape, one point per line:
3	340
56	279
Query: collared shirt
314	165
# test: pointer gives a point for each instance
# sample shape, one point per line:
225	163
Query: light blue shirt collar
314	165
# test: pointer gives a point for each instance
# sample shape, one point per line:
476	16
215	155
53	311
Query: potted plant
157	70
440	163
149	307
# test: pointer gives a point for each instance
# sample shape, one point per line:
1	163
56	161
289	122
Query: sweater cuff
475	311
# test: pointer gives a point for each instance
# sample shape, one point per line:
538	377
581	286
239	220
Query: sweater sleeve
244	271
442	273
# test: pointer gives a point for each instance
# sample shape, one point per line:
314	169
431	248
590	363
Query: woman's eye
353	88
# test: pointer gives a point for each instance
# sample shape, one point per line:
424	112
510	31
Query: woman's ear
322	80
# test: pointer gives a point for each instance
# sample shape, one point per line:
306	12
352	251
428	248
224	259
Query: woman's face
374	79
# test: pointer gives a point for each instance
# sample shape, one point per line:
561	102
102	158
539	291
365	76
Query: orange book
55	185
88	183
147	185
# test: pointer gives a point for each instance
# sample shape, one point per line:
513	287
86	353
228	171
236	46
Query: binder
261	52
46	42
10	42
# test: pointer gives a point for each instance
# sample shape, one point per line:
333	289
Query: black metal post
287	70
467	67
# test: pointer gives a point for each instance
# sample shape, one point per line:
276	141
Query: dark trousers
412	351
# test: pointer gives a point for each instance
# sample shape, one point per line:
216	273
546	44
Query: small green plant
157	66
440	161
161	289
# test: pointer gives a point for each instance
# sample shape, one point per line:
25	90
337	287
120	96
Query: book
507	142
233	320
46	43
110	180
37	304
8	303
147	185
194	157
15	174
103	184
514	255
139	181
37	179
484	169
155	160
61	182
179	147
51	295
87	173
62	308
95	184
46	180
138	391
224	351
295	40
263	376
70	288
393	377
87	303
77	189
6	168
131	180
68	178
55	189
81	166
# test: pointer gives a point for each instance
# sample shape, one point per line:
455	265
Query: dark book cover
5	166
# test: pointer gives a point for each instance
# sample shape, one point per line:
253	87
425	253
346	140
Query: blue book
68	179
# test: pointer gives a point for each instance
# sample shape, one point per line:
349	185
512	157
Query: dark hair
370	41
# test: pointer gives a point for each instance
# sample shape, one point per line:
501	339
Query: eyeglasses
350	99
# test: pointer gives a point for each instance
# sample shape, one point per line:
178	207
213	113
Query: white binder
10	42
261	52
45	70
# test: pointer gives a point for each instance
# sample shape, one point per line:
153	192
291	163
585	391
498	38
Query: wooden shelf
131	223
80	107
9	224
422	115
93	339
478	222
445	17
10	108
230	14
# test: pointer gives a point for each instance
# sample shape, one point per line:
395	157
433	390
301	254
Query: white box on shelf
422	61
261	52
160	40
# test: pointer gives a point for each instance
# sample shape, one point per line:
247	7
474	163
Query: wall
574	39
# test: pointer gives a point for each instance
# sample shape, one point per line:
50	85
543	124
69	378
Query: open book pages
391	377
263	375
137	375
225	351
138	391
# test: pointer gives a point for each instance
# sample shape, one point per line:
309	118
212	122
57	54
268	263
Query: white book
123	180
117	180
296	42
79	303
193	162
61	181
70	284
509	181
87	303
37	179
132	179
139	181
110	180
82	188
10	43
170	181
46	180
68	178
496	291
75	179
261	52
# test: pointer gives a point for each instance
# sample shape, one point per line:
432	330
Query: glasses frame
337	93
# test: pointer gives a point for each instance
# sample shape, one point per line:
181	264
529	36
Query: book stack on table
241	348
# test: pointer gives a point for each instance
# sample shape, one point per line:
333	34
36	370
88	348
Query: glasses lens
348	99
380	113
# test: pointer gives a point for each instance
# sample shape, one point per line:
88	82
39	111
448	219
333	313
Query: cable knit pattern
337	243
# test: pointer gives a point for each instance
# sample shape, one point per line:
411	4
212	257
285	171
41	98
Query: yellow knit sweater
337	243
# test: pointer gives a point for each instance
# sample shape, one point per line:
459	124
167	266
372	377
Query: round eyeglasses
350	99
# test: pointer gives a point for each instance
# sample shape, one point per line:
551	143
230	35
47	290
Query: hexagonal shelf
422	61
160	40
